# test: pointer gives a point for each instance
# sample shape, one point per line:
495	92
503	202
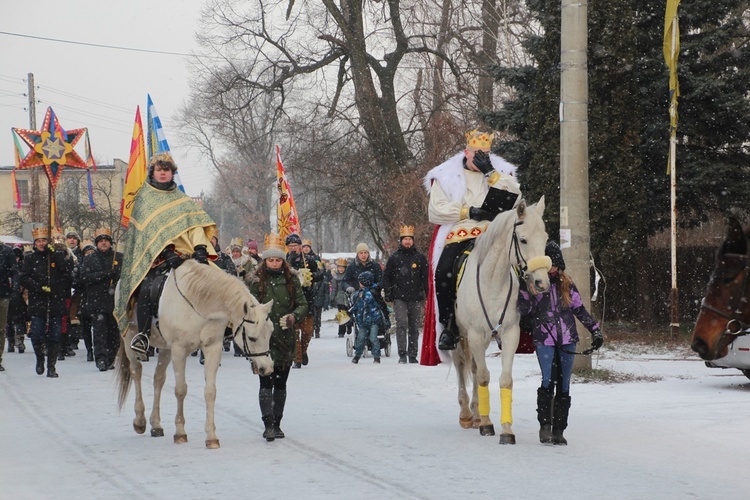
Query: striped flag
136	174
286	211
157	139
92	205
89	155
16	193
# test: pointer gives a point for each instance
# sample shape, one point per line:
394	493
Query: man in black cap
309	273
100	272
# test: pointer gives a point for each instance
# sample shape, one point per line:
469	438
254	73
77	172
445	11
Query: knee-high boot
53	349
279	400
544	413
265	398
39	351
560	418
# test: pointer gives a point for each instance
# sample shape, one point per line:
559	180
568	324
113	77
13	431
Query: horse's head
529	242
725	312
253	334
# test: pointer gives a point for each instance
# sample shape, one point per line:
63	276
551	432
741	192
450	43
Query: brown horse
725	310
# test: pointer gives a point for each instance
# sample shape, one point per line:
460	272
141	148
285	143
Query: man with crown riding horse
466	192
166	227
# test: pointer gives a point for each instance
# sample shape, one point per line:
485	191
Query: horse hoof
487	430
180	439
157	433
212	444
466	423
139	429
507	439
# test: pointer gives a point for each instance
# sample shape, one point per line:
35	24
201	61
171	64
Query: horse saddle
460	264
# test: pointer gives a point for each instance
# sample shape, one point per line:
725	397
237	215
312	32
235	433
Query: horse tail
122	375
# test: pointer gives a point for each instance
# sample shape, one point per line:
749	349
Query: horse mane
484	241
212	289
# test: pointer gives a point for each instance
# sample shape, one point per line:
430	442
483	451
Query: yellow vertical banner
136	174
286	210
671	54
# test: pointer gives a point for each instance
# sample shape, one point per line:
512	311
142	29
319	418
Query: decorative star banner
52	147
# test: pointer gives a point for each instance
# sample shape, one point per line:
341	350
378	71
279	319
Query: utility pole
574	154
34	195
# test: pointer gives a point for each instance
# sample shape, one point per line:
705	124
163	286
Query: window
23	191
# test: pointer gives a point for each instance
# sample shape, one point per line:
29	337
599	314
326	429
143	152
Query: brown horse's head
725	310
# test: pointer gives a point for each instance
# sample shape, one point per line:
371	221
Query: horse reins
735	326
245	338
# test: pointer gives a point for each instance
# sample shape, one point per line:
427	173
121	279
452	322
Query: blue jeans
38	332
360	344
556	370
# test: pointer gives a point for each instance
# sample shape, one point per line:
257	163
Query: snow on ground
369	431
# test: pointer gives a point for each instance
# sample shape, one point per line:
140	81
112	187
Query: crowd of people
61	290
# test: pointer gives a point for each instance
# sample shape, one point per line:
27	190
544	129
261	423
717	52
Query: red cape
430	355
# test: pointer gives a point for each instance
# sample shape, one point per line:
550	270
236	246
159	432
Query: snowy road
368	431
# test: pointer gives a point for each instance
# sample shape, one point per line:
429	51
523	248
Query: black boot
279	400
89	355
39	351
52	352
265	398
450	337
544	413
560	418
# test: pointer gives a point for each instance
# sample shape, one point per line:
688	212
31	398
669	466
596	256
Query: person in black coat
100	273
87	248
362	263
405	283
8	283
46	274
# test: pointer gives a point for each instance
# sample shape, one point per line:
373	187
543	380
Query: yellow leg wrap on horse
506	401
483	392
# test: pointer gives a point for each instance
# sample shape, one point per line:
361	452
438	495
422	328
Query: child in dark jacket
553	315
368	315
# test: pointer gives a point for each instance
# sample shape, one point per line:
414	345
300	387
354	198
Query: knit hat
293	238
362	247
366	278
552	250
87	245
70	232
273	247
252	245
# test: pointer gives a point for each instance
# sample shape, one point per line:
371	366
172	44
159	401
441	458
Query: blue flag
156	139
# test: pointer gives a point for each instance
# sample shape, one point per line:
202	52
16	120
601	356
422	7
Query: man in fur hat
466	193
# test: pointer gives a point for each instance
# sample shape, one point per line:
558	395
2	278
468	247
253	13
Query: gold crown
102	231
162	158
57	234
40	232
274	242
307	242
479	140
406	231
342	262
235	242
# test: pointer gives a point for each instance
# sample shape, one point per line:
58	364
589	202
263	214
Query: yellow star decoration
53	148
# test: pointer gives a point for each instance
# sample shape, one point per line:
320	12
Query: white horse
486	306
196	305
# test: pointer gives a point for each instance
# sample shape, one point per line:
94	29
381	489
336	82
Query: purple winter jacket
548	314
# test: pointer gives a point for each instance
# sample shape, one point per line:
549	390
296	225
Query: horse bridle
245	338
735	327
519	258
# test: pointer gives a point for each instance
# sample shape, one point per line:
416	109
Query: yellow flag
136	174
286	210
671	53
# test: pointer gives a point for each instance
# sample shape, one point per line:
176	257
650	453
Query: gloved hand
388	297
597	339
482	162
476	213
51	248
287	322
350	290
46	289
201	254
172	258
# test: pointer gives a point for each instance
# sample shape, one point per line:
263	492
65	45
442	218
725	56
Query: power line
73	42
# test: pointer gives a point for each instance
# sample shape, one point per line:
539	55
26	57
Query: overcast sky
95	87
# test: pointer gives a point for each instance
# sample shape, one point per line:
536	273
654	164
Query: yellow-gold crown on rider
406	230
479	140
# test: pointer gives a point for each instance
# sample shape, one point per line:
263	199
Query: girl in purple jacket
553	315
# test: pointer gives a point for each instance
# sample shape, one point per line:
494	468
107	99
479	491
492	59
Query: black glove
597	339
171	257
388	297
201	254
476	213
483	163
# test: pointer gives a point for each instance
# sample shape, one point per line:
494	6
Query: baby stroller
384	334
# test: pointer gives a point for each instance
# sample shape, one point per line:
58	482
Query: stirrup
140	343
448	340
